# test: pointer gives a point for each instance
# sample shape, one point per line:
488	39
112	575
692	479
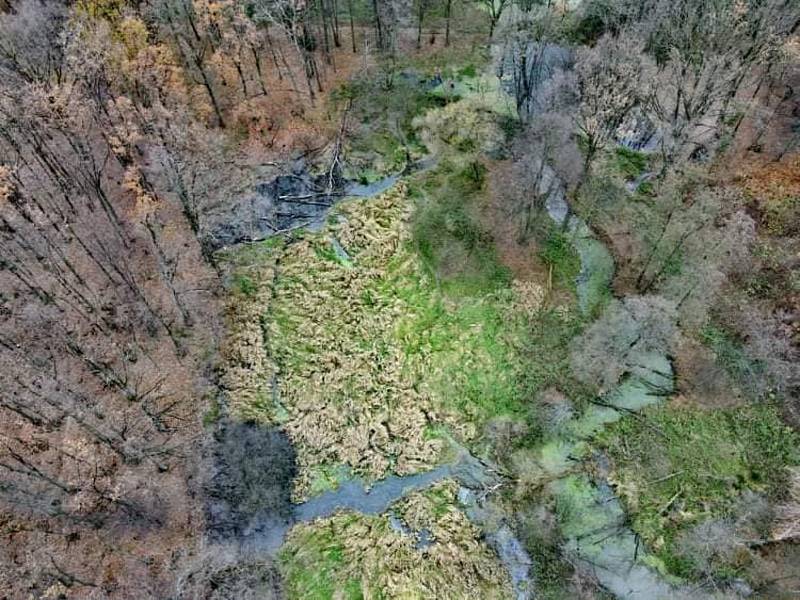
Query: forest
399	299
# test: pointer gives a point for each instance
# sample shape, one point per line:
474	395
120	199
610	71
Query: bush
630	163
447	235
559	253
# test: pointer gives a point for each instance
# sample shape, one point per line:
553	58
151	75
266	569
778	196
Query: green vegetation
552	571
213	413
243	284
384	140
396	327
454	62
558	253
354	556
731	356
311	565
385	106
630	163
446	234
375	350
675	467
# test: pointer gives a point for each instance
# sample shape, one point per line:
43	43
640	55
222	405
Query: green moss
630	163
646	189
676	467
310	566
558	252
327	477
244	285
467	71
575	497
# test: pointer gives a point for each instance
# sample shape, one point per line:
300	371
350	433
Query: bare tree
495	9
611	80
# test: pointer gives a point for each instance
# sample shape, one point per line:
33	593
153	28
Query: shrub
630	163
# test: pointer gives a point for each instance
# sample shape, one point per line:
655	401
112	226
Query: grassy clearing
354	556
393	329
677	467
453	62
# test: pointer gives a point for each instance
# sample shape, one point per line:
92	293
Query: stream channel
595	530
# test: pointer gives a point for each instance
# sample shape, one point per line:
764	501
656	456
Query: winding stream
594	529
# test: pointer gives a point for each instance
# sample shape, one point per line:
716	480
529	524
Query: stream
595	530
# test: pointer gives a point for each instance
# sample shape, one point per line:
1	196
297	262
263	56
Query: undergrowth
676	467
446	234
630	163
558	253
731	356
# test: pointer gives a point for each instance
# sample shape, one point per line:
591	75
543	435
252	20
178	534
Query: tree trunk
378	27
420	19
352	25
335	22
447	21
257	61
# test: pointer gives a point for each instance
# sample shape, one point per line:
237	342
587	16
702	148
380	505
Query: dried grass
368	358
248	370
787	524
457	564
343	379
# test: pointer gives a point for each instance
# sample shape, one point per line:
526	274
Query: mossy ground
678	466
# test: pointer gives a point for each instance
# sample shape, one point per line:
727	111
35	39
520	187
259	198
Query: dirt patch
520	256
701	380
